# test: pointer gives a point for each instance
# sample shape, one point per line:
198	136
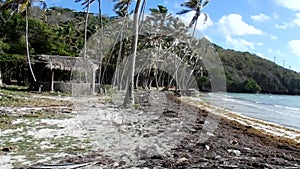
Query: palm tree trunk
1	84
116	77
27	46
85	27
129	97
194	28
137	80
85	37
100	47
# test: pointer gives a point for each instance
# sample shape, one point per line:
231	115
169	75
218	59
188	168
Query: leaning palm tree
129	97
159	18
196	6
121	9
86	4
20	7
101	43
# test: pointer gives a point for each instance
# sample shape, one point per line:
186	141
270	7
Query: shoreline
283	133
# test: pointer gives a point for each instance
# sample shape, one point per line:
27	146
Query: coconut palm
158	18
196	6
101	43
121	9
86	4
129	97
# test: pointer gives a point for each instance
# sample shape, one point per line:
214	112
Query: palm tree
160	15
129	97
197	6
86	4
20	7
100	44
121	9
158	18
27	45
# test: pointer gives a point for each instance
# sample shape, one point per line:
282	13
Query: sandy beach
174	132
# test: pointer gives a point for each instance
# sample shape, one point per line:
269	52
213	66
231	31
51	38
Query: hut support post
52	80
93	82
1	84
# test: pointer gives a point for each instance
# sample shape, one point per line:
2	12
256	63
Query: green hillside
246	72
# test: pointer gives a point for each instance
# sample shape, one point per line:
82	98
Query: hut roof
66	62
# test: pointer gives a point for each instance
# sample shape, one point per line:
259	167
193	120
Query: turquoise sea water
280	109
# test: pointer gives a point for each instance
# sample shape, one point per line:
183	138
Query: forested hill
246	72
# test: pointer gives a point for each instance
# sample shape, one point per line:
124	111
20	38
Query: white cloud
233	24
290	4
297	20
201	25
177	5
240	44
275	16
279	53
208	38
260	44
262	55
294	46
293	23
282	26
273	37
260	18
270	50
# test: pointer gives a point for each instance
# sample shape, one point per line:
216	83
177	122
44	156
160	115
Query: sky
267	28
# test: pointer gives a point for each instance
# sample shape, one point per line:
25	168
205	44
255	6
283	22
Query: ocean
279	109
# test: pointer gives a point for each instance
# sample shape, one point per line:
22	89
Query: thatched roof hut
66	62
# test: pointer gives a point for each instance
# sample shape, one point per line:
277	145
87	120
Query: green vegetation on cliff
246	72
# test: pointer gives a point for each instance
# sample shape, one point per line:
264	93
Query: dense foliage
247	72
60	32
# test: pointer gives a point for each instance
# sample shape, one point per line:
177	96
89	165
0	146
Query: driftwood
62	166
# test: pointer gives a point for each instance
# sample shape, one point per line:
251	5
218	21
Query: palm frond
154	10
191	4
193	21
23	6
195	18
184	11
162	9
205	17
121	8
85	3
205	3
